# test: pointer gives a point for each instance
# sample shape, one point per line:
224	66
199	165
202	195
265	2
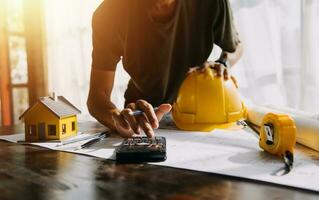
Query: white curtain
68	25
279	65
69	47
309	97
270	31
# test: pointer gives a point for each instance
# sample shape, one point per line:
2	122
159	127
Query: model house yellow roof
60	106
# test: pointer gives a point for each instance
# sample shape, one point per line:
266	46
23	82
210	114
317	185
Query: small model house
50	118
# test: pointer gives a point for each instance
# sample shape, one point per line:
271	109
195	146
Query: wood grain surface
28	172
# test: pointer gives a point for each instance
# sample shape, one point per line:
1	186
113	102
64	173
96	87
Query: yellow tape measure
277	134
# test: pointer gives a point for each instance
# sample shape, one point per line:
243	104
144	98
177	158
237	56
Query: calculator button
130	141
145	140
137	140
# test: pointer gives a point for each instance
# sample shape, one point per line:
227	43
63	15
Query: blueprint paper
233	153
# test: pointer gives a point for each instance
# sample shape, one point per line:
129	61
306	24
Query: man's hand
220	70
127	124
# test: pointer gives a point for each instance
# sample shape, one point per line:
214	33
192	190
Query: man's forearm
99	100
101	110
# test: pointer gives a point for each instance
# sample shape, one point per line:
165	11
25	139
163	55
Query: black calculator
142	149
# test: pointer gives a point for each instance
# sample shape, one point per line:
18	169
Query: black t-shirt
157	55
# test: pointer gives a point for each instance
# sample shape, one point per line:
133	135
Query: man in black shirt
159	41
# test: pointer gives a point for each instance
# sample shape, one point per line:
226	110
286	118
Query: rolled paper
307	125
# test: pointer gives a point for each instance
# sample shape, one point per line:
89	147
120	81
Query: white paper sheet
233	153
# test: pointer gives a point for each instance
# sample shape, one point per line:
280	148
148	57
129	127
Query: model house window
63	128
73	126
52	129
32	130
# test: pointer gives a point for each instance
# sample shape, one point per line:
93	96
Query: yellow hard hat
205	102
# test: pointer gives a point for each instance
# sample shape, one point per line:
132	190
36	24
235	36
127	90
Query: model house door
41	131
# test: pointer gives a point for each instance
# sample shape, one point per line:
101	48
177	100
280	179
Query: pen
93	141
139	112
80	139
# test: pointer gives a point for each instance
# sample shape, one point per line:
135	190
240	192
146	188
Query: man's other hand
127	124
219	69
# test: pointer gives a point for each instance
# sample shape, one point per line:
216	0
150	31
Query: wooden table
28	172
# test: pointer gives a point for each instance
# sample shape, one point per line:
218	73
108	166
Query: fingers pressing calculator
142	149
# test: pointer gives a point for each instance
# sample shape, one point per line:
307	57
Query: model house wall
51	118
42	124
